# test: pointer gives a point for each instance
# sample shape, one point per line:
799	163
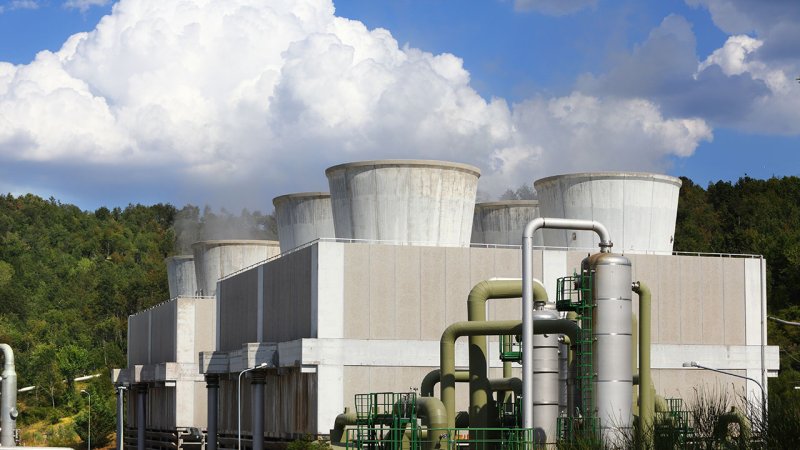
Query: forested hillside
70	278
754	217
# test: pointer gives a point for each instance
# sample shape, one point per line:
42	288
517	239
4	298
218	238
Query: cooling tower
639	209
181	276
404	201
501	223
216	259
303	218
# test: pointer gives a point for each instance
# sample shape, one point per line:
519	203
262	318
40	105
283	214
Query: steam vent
181	276
502	223
302	218
217	259
404	201
639	209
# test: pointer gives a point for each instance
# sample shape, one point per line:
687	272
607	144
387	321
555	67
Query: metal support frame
212	389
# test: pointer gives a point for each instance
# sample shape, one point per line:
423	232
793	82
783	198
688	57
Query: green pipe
635	363
339	425
447	357
646	392
433	377
478	356
433	415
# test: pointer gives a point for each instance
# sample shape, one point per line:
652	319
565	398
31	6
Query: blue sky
233	102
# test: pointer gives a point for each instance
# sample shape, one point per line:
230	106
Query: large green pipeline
484	328
433	415
635	363
646	393
476	312
433	377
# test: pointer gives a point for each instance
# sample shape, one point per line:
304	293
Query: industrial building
369	277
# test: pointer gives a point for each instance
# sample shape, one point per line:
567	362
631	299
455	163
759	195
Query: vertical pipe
212	390
121	417
646	393
141	393
527	296
8	405
527	327
257	383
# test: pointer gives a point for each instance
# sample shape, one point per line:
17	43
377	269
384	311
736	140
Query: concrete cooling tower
216	259
639	209
181	276
501	223
404	201
302	218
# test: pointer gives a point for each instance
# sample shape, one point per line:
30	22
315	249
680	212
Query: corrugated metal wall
163	329
287	297
238	310
290	404
286	302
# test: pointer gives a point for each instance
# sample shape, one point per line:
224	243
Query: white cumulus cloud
240	100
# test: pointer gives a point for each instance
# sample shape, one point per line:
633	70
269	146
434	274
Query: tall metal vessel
404	201
639	209
612	335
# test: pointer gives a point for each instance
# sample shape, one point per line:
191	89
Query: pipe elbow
640	288
532	226
340	423
450	334
429	381
8	355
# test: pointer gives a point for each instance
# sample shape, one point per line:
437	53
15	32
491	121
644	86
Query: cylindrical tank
404	201
181	276
216	259
639	209
545	380
611	328
502	223
302	218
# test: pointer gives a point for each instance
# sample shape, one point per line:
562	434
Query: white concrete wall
502	223
639	209
181	276
216	259
404	201
378	312
303	218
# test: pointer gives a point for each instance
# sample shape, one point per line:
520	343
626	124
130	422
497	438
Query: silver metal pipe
527	296
8	403
120	417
